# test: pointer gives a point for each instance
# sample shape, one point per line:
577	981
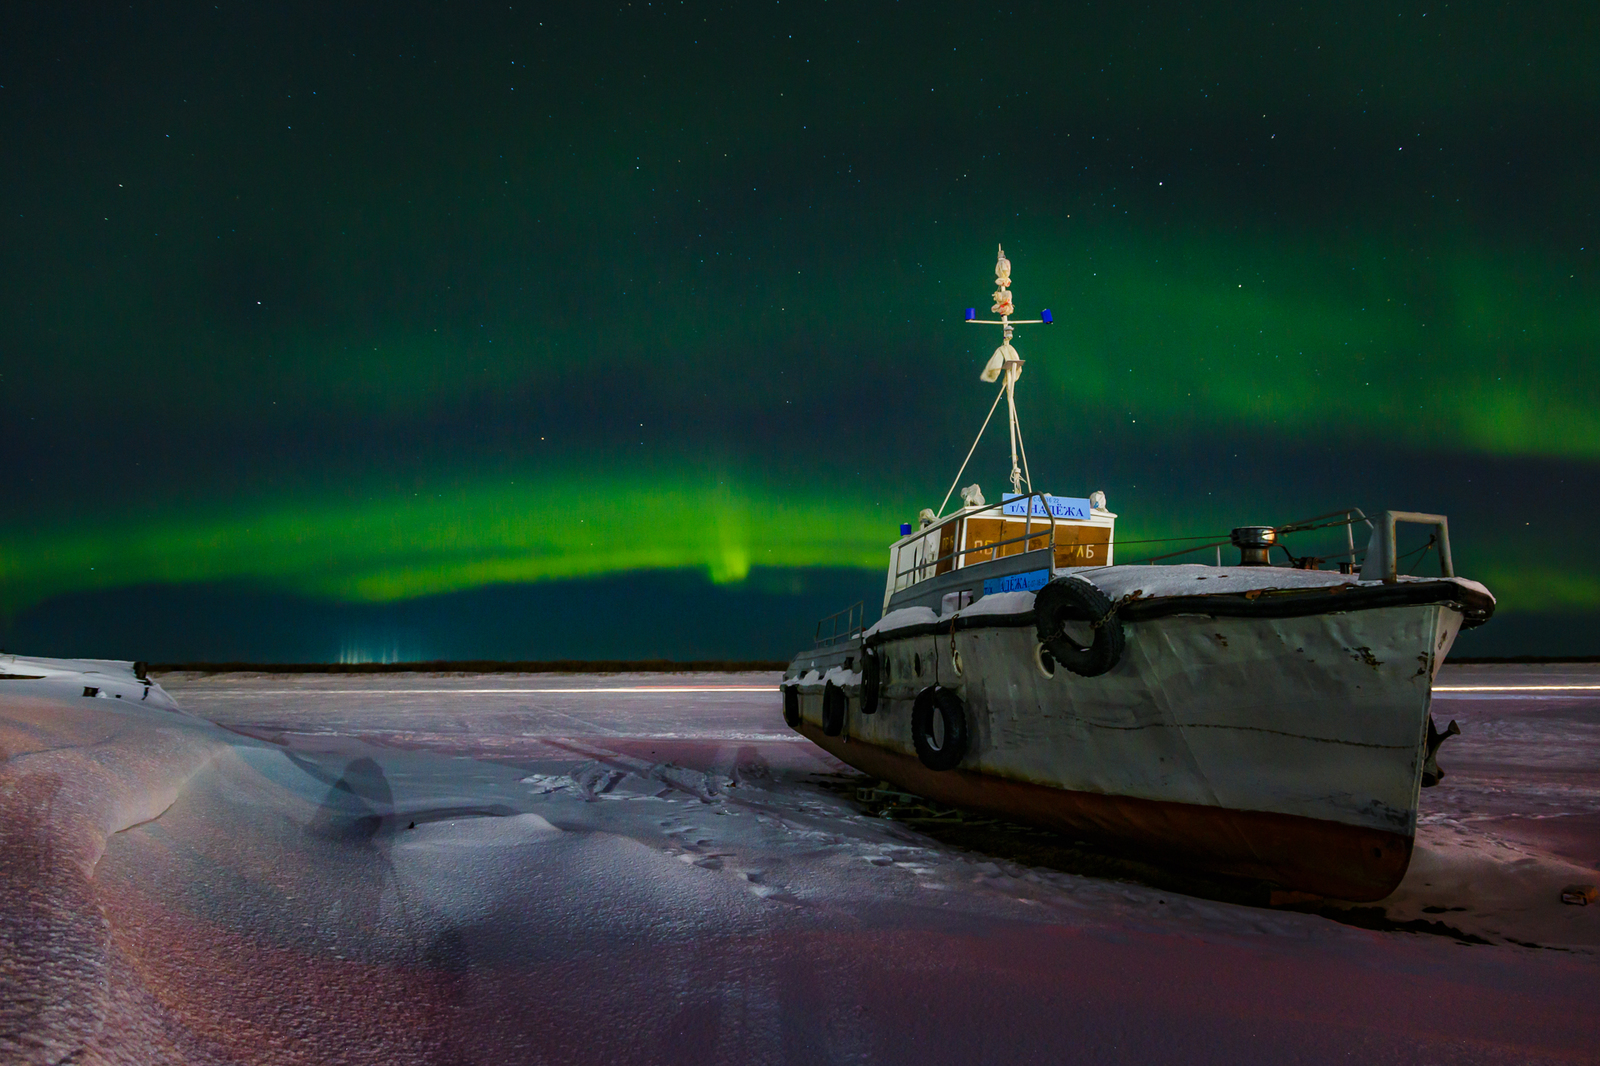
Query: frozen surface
644	869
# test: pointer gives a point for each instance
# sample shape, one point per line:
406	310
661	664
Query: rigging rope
1026	476
970	450
1420	553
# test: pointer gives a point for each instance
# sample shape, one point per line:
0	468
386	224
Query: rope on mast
970	450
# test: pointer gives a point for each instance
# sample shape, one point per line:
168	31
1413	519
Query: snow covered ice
550	869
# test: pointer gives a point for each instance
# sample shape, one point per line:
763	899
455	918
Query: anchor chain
1136	594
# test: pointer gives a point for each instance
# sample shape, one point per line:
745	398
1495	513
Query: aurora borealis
389	316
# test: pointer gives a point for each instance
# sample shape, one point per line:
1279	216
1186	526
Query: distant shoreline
487	666
635	666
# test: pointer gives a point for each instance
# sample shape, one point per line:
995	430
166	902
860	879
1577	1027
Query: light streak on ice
632	689
1516	688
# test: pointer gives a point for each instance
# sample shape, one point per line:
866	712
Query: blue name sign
1060	506
1032	581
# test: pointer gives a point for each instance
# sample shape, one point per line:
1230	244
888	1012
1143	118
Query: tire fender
1071	599
871	678
942	704
791	706
834	703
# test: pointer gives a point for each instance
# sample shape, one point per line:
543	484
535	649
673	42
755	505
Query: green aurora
370	330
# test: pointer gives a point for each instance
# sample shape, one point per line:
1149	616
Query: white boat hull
1289	749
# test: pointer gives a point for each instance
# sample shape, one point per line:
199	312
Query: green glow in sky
482	308
402	546
1456	352
397	546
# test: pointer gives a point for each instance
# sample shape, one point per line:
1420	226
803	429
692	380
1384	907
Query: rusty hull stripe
1307	854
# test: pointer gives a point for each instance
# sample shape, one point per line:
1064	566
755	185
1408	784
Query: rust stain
1364	654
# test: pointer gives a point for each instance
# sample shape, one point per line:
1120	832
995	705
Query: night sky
534	331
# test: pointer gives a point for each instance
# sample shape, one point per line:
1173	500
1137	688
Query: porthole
1044	660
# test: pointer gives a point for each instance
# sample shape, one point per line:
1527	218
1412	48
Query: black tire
791	706
1071	600
870	680
939	706
834	702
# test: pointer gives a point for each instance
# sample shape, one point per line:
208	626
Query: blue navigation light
972	313
905	529
1045	314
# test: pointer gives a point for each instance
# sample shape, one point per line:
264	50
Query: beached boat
1260	721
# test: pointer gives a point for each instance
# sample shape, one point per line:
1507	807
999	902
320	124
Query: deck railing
1381	564
1346	517
853	619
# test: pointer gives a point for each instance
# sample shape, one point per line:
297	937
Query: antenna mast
1005	361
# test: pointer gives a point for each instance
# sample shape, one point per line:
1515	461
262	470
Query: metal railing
925	568
854	618
1381	561
1348	517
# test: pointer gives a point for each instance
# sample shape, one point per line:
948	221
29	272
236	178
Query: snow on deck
649	868
1157	582
1190	579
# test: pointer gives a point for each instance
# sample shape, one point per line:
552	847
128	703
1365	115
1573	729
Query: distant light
1045	315
972	313
1516	688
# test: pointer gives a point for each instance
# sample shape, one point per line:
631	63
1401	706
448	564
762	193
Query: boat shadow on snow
1030	846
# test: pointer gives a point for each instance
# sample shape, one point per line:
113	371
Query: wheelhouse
1016	544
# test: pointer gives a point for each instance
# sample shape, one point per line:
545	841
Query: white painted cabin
1070	532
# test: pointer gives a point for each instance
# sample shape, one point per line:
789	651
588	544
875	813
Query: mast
1010	362
1004	362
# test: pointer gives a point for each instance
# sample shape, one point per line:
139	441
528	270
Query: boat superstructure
1263	721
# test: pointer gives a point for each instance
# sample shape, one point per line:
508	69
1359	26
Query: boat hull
1308	854
1287	749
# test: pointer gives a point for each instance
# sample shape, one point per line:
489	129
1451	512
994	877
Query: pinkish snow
648	869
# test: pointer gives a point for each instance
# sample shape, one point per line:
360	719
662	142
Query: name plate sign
1059	506
1032	581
